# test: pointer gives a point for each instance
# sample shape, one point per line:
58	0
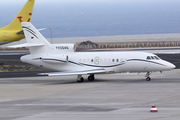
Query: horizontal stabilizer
41	29
22	32
95	71
26	45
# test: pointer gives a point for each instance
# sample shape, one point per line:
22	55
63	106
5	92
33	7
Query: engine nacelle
55	59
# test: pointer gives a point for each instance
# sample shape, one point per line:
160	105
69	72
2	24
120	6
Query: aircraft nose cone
171	66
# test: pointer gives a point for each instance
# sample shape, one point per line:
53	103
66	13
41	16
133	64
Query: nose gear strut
148	76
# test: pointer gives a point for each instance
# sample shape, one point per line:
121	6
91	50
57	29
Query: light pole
51	34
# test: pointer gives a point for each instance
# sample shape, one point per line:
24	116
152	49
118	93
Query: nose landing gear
148	79
148	76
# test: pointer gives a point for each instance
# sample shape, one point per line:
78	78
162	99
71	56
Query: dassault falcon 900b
63	58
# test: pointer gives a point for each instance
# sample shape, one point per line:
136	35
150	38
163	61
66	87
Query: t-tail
38	45
24	16
35	41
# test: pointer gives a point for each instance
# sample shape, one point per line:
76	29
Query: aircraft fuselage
112	62
7	36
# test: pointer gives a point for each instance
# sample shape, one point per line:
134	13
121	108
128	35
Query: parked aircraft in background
13	31
63	58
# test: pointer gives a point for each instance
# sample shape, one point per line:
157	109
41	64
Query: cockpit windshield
153	58
156	57
148	58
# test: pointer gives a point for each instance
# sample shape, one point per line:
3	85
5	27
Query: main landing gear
148	76
81	79
91	77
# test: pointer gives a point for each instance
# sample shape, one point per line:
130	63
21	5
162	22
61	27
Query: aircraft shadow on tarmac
108	81
114	80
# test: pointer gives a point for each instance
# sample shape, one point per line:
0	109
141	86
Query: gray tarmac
109	97
26	96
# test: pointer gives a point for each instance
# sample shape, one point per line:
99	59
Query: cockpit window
156	57
148	58
152	57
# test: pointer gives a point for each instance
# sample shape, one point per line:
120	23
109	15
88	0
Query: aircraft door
5	36
96	60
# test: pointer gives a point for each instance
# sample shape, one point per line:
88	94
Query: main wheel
148	79
91	78
81	80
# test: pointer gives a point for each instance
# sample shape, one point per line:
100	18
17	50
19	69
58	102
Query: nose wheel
148	79
148	76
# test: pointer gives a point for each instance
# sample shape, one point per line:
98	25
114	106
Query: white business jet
64	59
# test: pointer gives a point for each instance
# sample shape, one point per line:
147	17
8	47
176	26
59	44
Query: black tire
91	78
81	80
148	79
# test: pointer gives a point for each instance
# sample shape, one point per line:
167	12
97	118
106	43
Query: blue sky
52	1
98	17
12	2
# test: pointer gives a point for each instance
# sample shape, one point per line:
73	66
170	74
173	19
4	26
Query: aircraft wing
94	71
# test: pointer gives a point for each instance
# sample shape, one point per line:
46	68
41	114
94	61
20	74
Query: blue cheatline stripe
81	64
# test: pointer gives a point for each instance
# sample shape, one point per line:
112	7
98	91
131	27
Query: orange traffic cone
153	109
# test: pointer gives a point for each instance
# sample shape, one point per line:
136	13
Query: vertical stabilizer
36	42
24	16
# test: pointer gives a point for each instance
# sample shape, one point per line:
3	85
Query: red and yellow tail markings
20	18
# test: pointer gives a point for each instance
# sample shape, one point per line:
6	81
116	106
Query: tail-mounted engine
56	59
